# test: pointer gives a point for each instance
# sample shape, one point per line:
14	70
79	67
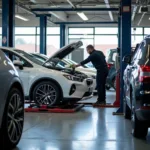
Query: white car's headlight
94	77
73	78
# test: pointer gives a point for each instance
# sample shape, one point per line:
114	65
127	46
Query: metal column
43	35
119	31
125	43
8	22
62	35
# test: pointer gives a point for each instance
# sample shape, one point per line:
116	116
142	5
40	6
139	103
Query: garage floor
88	129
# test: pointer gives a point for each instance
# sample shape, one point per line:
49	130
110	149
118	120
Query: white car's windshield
30	57
39	57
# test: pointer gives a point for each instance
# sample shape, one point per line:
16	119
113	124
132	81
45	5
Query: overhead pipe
112	22
75	9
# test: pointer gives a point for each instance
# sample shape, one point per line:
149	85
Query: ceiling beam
75	9
60	15
109	12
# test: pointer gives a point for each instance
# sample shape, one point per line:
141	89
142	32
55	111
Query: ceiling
23	7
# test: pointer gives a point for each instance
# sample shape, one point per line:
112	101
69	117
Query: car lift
67	108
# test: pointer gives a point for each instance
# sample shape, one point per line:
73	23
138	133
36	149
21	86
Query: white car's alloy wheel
46	93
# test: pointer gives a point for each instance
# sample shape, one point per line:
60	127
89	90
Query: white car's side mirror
18	64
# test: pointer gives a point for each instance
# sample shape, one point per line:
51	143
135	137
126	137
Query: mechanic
98	60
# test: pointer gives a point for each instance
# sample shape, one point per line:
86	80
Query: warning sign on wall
126	9
4	40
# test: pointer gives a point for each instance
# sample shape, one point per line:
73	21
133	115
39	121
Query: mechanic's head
90	49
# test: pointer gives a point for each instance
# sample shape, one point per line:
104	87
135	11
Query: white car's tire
13	119
46	93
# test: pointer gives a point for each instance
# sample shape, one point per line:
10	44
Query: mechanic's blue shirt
98	60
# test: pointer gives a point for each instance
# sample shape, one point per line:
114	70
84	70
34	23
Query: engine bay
68	70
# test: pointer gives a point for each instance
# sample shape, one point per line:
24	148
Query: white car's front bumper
94	86
79	90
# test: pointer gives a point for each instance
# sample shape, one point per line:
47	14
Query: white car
50	85
91	72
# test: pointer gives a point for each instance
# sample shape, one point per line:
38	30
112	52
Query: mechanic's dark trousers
101	81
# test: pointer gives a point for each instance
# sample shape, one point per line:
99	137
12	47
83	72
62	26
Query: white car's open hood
66	50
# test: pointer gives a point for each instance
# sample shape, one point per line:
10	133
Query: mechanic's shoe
100	102
97	103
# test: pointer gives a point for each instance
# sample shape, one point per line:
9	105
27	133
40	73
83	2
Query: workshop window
106	30
0	30
137	31
25	30
50	30
0	40
104	43
26	43
136	39
146	31
53	44
84	31
80	37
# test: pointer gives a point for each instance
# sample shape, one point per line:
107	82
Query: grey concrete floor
88	129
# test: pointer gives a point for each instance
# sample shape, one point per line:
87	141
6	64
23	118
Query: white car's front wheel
46	93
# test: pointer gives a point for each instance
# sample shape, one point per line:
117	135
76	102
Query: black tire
13	118
45	96
127	112
139	128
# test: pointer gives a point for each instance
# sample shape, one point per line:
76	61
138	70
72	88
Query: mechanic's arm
82	63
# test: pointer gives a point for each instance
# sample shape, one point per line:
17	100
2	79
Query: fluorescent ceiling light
82	16
70	3
21	17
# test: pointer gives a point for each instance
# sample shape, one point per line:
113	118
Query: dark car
110	59
11	104
137	88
